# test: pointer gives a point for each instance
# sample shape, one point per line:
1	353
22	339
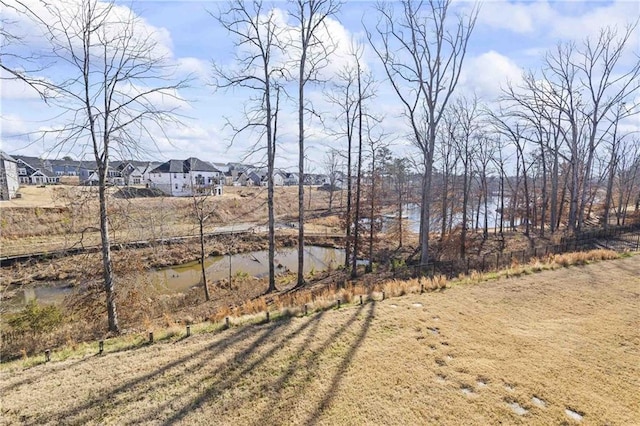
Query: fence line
618	239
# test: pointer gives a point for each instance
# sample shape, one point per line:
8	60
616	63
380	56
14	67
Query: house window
175	176
176	186
184	176
200	180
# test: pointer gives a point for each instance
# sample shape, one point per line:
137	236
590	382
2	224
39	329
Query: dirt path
548	348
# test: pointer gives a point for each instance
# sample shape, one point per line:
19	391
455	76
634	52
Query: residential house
237	169
9	183
291	179
181	178
35	171
250	177
133	172
65	167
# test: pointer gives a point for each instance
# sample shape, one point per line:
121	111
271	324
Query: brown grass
58	217
566	337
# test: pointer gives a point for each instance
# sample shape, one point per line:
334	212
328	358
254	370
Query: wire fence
620	239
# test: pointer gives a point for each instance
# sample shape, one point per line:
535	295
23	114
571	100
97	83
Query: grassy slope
568	337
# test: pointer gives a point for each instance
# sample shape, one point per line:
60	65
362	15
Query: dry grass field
558	347
61	216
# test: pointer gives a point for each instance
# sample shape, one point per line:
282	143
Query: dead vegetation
67	216
535	349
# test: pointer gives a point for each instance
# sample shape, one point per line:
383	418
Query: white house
184	178
8	177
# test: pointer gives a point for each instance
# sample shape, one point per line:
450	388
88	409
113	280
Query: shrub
36	318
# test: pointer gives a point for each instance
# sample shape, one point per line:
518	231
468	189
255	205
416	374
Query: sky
509	37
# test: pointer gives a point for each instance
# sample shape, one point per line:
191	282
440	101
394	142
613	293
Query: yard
550	348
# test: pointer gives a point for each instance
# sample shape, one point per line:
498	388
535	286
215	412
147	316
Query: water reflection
182	277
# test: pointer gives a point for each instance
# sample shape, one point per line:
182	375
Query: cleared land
61	216
522	350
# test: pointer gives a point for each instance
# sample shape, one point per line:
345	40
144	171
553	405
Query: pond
180	278
411	212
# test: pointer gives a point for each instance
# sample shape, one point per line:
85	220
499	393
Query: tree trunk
369	267
348	214
109	289
354	269
207	295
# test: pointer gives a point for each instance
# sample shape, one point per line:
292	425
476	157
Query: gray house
9	183
35	171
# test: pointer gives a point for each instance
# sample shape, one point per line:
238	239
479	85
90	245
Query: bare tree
203	211
259	71
115	76
579	87
333	168
398	169
16	59
606	87
311	17
613	160
380	155
464	116
422	52
344	96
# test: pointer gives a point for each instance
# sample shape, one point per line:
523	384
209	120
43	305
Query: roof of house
37	164
7	157
195	165
179	166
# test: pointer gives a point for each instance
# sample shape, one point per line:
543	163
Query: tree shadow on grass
230	373
127	392
331	391
312	364
304	360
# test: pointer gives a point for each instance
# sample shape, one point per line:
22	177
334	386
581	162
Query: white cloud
56	16
12	88
488	73
565	20
195	66
516	17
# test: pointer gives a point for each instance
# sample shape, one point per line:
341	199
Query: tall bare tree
422	49
464	114
333	167
203	211
314	51
259	70
115	76
343	95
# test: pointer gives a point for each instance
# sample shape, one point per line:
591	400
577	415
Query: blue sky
510	36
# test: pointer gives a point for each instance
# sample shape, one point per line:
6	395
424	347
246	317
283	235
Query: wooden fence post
151	337
47	355
188	330
100	347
